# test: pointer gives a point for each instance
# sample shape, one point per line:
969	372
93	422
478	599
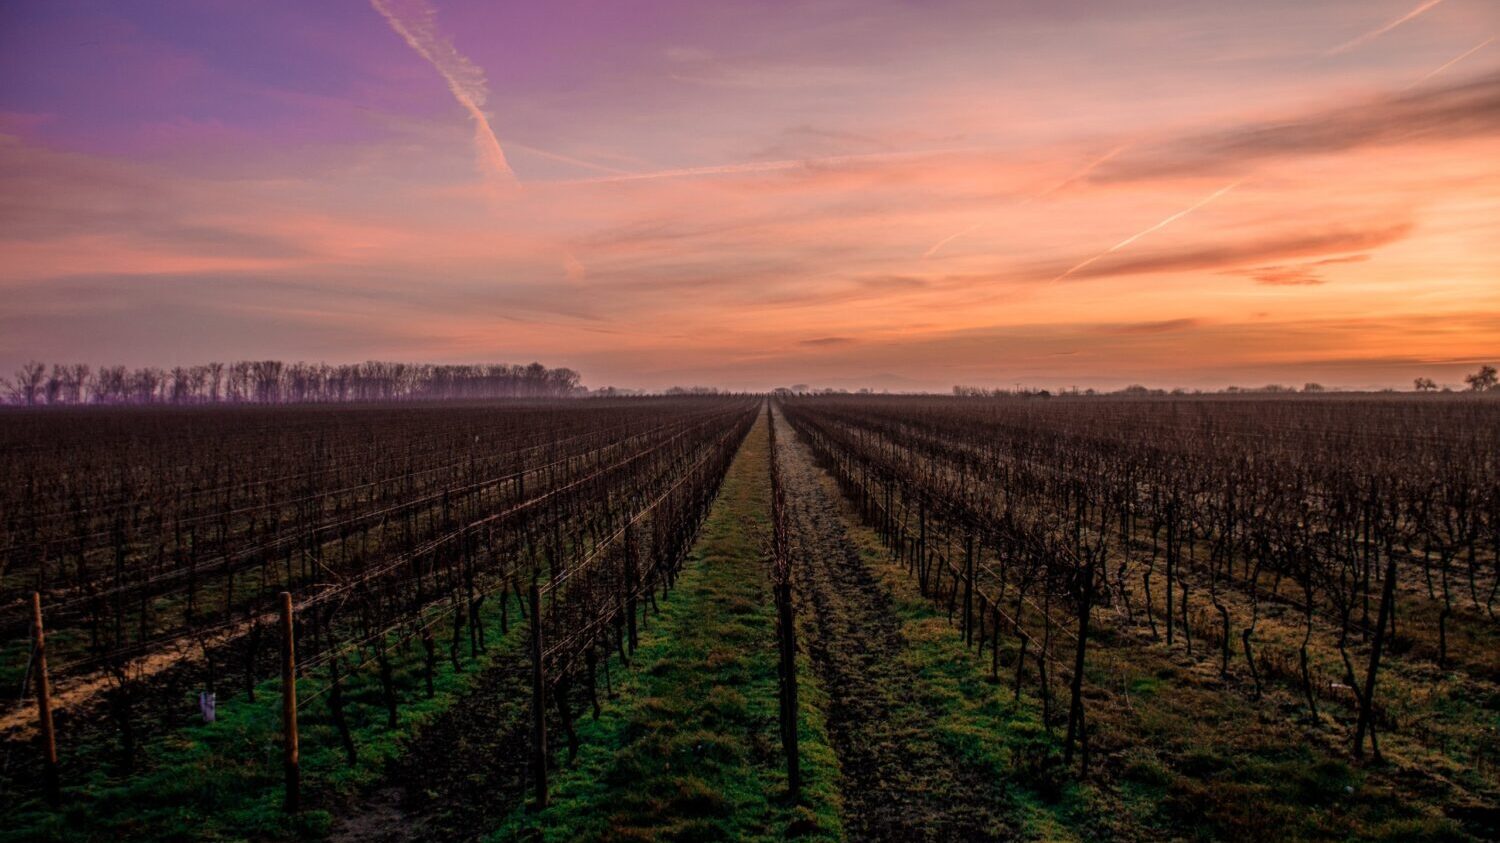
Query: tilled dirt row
898	784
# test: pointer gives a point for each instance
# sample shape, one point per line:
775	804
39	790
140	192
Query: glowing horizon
838	194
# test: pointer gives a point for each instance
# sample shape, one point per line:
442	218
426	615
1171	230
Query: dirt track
898	784
464	772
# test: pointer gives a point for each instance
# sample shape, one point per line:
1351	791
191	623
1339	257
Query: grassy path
930	749
690	749
899	783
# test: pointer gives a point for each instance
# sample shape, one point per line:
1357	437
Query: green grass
1200	764
691	749
980	721
223	780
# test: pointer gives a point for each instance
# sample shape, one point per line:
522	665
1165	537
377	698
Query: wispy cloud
1450	62
1159	226
416	22
1079	173
1162	326
949	239
714	170
745	167
1072	177
1307	274
1255	250
1366	38
1463	109
568	159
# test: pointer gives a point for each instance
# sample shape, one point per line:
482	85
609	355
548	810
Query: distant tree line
962	391
275	382
1486	379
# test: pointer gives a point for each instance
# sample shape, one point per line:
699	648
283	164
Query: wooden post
44	702
289	706
538	700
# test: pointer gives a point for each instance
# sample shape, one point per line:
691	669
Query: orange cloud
1294	275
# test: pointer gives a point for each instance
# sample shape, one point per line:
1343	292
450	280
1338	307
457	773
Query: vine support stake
44	703
291	751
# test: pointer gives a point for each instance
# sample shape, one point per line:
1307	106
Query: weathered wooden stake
538	700
292	754
44	702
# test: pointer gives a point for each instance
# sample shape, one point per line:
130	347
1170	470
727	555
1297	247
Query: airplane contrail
1072	177
949	239
416	22
1376	33
1079	173
766	166
715	170
1450	62
568	159
1159	226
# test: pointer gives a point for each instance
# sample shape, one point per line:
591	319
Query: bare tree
78	380
146	382
1483	380
111	385
181	385
28	384
215	380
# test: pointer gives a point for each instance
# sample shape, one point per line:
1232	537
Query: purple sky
895	194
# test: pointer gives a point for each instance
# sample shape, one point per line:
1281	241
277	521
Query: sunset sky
901	195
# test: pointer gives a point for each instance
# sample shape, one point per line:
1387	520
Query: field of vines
166	546
1285	572
828	617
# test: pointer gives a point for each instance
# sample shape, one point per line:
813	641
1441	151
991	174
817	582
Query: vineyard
172	549
1330	567
834	617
